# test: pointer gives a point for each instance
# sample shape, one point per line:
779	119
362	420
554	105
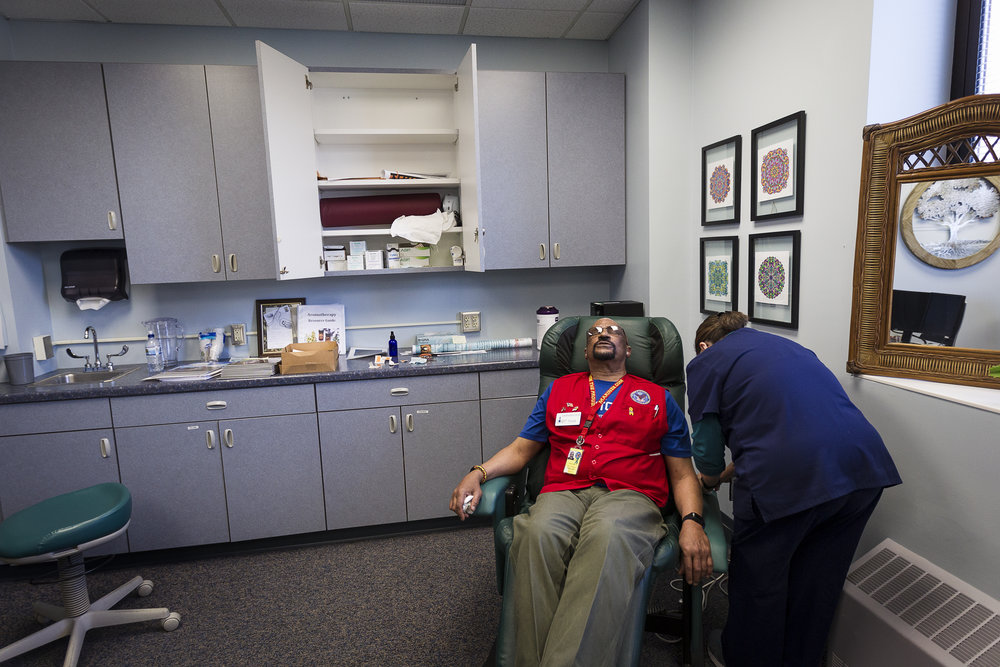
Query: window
976	63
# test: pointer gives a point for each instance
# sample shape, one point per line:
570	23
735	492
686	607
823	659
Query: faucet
88	333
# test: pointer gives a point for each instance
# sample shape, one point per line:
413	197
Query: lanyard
595	405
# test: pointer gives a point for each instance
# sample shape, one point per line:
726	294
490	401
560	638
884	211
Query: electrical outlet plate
469	320
239	334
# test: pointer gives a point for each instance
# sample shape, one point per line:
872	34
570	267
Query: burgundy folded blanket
375	210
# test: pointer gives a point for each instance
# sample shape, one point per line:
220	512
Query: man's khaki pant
577	558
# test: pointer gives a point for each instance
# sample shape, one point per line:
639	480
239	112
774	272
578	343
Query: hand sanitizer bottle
393	346
154	357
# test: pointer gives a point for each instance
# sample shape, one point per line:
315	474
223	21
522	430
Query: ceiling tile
53	10
406	17
517	22
595	25
175	12
287	14
537	5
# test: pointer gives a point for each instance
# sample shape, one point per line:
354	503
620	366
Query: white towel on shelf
423	228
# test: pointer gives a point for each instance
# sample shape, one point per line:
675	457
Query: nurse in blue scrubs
807	471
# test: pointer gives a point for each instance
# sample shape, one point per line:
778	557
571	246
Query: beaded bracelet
480	469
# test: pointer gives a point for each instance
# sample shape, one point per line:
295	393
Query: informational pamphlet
321	323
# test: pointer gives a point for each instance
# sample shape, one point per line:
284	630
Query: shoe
715	648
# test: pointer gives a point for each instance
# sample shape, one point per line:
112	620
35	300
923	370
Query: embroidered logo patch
639	396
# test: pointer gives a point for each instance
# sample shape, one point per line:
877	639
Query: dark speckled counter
135	383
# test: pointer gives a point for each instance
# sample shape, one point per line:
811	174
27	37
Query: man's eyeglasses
613	330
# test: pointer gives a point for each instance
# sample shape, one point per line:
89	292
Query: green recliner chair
656	356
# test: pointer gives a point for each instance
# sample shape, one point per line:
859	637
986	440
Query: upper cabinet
553	169
57	175
348	127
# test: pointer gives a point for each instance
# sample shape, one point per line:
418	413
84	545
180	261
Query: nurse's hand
696	553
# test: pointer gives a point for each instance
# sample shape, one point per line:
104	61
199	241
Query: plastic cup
20	368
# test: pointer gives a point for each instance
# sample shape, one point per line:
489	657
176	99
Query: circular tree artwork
774	171
719	184
954	223
771	277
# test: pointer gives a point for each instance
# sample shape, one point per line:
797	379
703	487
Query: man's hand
468	486
696	553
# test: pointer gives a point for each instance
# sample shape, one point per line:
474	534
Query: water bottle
545	317
154	357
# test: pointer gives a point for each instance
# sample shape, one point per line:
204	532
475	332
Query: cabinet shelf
389	184
386	136
371	272
345	232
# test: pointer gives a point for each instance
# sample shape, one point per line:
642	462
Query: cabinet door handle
232	262
216	405
210	438
392	423
409	423
555	251
399	391
216	264
105	445
541	251
112	222
227	437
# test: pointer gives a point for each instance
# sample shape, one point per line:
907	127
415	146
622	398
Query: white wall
507	299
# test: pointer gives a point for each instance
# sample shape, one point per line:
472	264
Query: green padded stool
61	529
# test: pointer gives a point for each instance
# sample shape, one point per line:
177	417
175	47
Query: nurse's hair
716	326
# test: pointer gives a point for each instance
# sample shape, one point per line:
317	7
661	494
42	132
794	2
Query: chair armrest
716	531
492	502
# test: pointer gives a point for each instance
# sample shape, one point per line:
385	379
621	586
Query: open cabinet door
466	117
286	106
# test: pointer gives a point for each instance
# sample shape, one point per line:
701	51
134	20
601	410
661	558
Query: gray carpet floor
415	599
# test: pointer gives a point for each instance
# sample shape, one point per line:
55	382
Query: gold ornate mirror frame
960	139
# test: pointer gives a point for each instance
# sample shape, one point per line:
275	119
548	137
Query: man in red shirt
579	552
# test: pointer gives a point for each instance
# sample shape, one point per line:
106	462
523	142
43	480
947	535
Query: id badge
573	460
568	419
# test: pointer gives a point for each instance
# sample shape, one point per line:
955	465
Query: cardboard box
417	256
333	253
355	262
374	259
359	247
309	358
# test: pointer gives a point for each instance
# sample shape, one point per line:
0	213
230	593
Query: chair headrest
657	351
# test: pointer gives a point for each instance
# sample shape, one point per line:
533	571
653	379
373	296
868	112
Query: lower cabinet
508	397
232	480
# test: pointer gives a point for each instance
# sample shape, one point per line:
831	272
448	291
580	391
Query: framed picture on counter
275	325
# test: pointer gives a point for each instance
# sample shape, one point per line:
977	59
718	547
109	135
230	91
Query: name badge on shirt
573	460
568	419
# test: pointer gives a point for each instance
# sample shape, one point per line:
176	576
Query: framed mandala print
720	181
720	270
774	278
778	152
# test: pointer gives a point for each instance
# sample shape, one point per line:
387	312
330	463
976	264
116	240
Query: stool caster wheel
171	622
145	588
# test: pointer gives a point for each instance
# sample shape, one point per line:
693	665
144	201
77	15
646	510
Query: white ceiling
567	19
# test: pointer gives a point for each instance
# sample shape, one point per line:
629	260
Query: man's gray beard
605	353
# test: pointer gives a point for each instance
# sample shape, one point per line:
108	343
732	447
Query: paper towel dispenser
94	274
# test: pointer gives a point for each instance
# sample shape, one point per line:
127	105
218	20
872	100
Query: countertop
135	384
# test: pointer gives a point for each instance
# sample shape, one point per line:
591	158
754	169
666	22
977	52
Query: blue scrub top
796	439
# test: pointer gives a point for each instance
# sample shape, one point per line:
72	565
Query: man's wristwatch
694	516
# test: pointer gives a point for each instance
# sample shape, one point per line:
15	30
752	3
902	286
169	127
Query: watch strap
694	516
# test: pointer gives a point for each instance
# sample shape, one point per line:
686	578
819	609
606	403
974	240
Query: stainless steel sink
83	377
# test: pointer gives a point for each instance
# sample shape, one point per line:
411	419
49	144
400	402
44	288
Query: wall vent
900	609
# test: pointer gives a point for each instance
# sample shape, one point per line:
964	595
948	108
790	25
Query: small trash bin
20	368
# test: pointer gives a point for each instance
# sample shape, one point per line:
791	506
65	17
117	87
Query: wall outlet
239	334
469	320
43	347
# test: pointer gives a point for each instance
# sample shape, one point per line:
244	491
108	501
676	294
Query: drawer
221	404
504	384
52	416
397	391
